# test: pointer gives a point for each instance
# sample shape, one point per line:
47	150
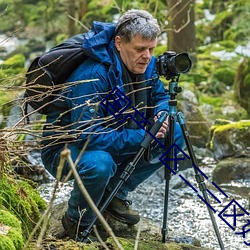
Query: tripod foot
164	232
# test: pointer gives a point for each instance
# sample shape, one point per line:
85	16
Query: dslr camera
171	65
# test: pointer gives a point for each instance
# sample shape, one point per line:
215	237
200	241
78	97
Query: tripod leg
169	140
199	177
164	229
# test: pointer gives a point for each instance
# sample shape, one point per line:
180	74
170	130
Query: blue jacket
88	117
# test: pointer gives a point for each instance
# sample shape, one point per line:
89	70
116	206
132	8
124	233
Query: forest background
214	33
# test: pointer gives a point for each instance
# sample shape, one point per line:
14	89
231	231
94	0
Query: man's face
137	53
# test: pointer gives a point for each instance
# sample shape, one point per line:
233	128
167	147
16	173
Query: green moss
128	244
9	219
228	45
225	75
220	132
91	247
13	71
16	61
174	246
219	102
214	101
21	199
6	243
236	125
13	239
16	237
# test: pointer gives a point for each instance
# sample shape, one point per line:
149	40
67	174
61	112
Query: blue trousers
100	170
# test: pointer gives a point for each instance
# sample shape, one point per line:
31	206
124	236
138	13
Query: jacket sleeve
89	120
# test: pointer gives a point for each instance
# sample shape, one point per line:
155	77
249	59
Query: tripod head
174	89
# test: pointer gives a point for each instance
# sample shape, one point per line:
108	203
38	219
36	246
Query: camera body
171	65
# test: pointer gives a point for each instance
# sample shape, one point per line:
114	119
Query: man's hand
164	128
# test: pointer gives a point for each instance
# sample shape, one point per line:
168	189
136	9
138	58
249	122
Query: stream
188	216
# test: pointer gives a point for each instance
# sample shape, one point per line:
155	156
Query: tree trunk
71	6
181	27
83	7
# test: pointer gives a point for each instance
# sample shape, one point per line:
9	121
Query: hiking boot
75	231
121	211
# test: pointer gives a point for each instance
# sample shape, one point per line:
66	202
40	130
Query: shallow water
187	213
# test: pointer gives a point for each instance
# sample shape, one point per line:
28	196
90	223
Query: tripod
169	141
173	90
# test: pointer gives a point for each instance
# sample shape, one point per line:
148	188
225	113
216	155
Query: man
121	69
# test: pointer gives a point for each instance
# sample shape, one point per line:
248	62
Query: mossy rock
11	237
231	139
150	235
128	244
22	200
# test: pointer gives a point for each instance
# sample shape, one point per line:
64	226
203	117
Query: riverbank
188	215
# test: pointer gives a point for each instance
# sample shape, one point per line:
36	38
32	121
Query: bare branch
66	154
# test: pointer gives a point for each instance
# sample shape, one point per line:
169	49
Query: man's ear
118	42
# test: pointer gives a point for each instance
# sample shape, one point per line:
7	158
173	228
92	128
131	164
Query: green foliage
229	23
17	61
217	104
214	101
60	38
12	67
216	67
242	84
160	49
221	23
224	75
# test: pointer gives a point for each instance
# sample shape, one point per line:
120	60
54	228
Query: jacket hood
98	43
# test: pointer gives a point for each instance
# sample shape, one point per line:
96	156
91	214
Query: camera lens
182	63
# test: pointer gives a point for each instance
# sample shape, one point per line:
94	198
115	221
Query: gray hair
137	22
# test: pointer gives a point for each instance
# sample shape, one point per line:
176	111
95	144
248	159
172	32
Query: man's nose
146	54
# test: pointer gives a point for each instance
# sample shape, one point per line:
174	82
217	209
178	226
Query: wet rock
231	169
150	235
30	167
197	125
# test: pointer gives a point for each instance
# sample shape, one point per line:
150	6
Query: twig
77	21
45	217
137	236
99	238
66	154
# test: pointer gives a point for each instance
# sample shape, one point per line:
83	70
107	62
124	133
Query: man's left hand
164	128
